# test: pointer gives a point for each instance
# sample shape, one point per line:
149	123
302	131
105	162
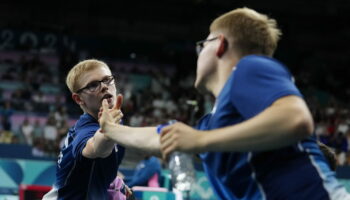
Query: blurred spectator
6	136
343	127
38	148
60	116
27	131
147	169
37	130
136	120
6	114
50	130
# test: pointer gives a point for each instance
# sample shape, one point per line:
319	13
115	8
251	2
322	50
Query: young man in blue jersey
257	143
89	161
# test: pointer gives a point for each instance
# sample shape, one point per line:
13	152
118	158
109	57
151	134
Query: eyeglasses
200	44
96	85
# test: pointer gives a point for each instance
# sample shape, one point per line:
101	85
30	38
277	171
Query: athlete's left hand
180	137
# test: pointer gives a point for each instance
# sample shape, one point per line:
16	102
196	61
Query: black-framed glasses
96	85
200	44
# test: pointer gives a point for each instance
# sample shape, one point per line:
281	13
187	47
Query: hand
110	117
128	192
180	137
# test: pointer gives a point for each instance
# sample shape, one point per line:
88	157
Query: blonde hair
248	31
79	69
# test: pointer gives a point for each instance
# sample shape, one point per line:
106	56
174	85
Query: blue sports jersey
78	177
295	172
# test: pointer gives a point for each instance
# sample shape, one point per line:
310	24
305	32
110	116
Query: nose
104	87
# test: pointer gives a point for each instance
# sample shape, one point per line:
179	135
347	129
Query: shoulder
257	63
83	129
86	122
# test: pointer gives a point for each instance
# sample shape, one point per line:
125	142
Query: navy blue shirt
78	177
297	172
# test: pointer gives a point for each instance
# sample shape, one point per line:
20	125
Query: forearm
103	145
140	138
98	146
274	128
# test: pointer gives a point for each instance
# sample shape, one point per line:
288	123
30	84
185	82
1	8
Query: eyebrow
98	80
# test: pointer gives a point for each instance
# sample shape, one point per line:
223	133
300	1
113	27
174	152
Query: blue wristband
161	126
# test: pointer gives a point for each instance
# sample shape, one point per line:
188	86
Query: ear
77	99
222	47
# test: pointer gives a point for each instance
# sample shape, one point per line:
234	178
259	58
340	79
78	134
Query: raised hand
110	117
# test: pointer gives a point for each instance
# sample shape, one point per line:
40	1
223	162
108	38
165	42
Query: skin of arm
285	122
100	146
140	138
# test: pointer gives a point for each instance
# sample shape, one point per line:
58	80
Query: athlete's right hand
110	117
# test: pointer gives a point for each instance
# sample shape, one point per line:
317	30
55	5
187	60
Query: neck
91	113
224	71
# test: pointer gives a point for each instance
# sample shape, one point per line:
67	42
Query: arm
285	122
140	138
100	146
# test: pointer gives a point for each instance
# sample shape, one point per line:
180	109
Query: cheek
204	65
200	65
92	102
113	89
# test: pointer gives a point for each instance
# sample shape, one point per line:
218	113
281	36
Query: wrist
202	141
107	129
104	135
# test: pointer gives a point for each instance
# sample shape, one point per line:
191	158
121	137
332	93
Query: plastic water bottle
181	169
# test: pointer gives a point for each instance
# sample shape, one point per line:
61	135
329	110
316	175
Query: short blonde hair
79	69
248	31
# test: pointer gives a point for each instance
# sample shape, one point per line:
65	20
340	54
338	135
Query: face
92	100
206	63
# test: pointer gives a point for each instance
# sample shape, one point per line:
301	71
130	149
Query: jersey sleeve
83	135
257	82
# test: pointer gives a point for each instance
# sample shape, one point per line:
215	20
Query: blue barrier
20	151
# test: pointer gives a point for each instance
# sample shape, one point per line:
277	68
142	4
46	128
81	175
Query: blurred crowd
332	126
36	109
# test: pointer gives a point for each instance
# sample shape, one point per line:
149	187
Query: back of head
248	31
74	75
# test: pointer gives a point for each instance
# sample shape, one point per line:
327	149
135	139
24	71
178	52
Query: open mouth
108	97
